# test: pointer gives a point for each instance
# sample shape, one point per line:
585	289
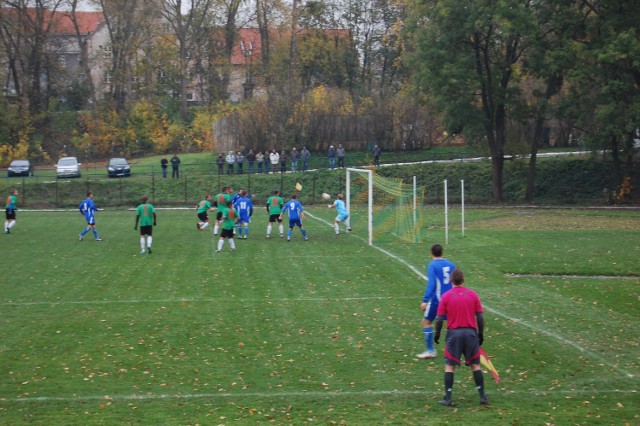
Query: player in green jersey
274	208
221	204
229	217
203	213
10	211
146	215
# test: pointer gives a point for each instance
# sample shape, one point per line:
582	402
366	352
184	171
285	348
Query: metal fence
46	192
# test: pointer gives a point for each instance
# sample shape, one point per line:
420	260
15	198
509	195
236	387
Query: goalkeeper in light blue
343	214
295	211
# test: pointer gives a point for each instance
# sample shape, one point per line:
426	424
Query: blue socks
428	337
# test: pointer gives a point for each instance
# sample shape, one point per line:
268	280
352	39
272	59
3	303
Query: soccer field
323	331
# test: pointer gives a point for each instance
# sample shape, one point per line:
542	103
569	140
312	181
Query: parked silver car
68	167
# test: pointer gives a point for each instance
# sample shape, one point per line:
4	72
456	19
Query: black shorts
204	217
274	217
226	233
146	230
10	214
462	341
218	215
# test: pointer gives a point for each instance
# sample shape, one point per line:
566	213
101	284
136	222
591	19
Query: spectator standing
340	154
164	163
274	159
305	156
294	159
146	215
462	309
220	163
231	160
240	161
260	161
376	155
332	157
175	166
283	162
10	211
251	159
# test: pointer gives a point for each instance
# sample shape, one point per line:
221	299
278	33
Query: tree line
511	76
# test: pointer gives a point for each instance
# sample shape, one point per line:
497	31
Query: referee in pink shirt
462	308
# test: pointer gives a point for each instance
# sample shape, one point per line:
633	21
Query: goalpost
369	175
391	205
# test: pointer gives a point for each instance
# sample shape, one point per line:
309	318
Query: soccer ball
326	196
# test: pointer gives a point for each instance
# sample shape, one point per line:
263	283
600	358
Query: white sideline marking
602	359
207	300
577	277
312	394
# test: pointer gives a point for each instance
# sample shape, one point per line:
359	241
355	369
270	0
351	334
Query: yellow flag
486	363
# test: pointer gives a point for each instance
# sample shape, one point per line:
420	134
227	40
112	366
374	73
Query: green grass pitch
317	332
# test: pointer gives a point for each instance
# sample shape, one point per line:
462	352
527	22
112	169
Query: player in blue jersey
295	211
88	209
244	207
343	214
438	283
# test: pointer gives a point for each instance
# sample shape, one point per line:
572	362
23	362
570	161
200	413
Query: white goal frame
369	174
369	177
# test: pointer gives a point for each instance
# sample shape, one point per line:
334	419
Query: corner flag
486	363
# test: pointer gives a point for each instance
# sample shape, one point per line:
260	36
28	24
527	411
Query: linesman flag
298	186
486	363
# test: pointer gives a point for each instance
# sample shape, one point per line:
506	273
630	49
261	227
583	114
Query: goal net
388	207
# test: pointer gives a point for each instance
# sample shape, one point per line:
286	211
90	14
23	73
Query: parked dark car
118	167
20	168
